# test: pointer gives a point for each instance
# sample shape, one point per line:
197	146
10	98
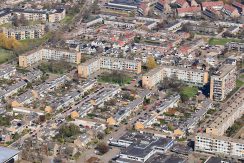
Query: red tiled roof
212	4
237	4
162	1
181	2
229	8
212	10
188	9
143	6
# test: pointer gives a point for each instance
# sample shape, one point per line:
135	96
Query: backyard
115	78
6	55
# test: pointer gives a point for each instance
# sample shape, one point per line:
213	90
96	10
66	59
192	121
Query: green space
68	132
239	83
222	41
115	78
55	67
4	121
30	44
242	76
188	91
6	55
234	128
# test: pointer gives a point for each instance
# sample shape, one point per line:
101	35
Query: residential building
235	45
188	75
222	82
91	66
239	6
12	89
227	118
6	71
230	11
122	5
182	3
163	6
53	15
216	5
25	32
36	56
56	15
219	145
140	147
189	11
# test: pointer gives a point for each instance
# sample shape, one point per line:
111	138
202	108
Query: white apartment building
222	82
219	145
25	32
188	75
88	68
33	57
227	118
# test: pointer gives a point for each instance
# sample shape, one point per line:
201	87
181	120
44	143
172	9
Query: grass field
5	55
115	78
222	41
189	91
239	83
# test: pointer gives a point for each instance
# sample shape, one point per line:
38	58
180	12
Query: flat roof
7	153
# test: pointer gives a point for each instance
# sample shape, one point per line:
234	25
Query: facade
227	118
31	14
36	56
88	68
26	32
219	145
188	75
222	82
56	15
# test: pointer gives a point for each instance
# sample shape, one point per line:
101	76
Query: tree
100	135
102	148
151	63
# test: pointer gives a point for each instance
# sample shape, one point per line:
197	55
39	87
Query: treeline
9	43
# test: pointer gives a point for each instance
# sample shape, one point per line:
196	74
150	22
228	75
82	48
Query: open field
5	55
222	41
189	91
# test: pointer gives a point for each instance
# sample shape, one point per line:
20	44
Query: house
211	12
182	3
230	11
217	5
143	9
163	6
189	11
239	7
7	71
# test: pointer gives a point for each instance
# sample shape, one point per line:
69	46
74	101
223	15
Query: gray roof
7	153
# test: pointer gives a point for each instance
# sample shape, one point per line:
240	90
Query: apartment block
25	32
219	145
56	15
227	118
31	14
222	82
188	75
36	56
88	68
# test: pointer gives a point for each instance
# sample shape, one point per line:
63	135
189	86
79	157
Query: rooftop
7	153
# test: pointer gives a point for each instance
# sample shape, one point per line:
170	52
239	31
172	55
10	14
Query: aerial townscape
121	81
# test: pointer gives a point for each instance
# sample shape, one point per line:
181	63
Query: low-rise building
91	66
219	145
235	46
5	16
230	11
140	147
222	82
25	32
189	11
217	5
7	71
9	155
36	56
56	15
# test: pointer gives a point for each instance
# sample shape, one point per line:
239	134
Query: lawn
115	78
189	91
5	55
222	41
239	83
